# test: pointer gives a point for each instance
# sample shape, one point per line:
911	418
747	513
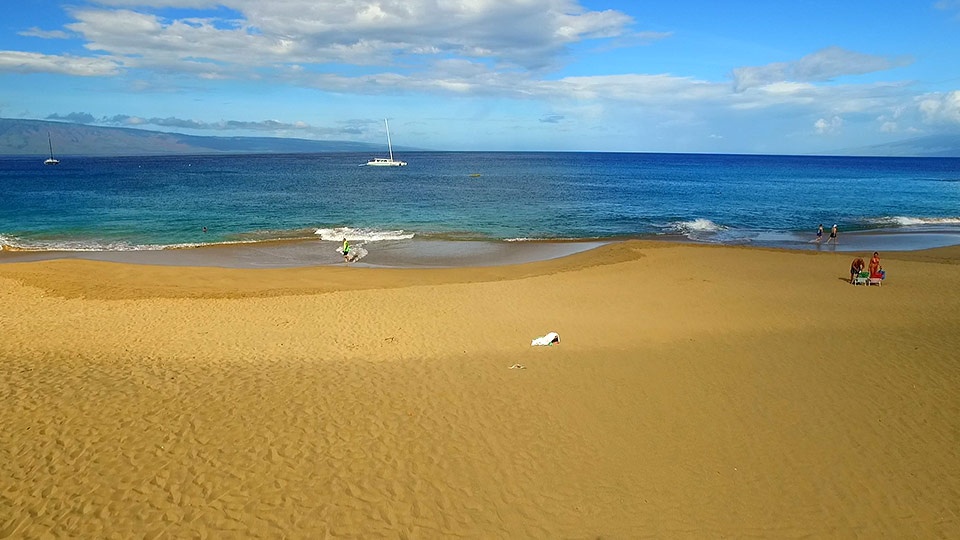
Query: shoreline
447	253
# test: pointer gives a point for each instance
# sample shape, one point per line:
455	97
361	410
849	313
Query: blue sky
580	75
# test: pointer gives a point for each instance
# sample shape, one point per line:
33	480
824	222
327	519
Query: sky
776	77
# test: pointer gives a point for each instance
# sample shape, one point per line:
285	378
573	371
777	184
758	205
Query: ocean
100	207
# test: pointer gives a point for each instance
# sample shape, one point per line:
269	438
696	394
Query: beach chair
876	279
862	279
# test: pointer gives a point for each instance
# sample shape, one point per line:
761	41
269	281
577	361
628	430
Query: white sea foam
536	239
6	242
699	225
357	252
907	221
551	239
337	234
17	244
9	243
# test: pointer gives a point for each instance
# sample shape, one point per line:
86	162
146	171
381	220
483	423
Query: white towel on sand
548	339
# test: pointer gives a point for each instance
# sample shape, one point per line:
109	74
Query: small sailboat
386	162
51	160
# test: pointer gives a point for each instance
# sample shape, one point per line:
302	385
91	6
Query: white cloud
265	126
832	62
828	126
76	117
940	108
823	65
530	34
680	100
645	89
780	94
45	34
478	48
890	120
949	5
26	62
196	4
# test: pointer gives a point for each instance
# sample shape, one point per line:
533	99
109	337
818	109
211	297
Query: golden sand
697	392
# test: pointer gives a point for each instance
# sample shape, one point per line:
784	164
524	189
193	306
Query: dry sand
697	392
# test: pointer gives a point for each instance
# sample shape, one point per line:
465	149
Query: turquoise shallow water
150	203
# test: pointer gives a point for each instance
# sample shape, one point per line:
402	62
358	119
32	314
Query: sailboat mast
50	144
389	144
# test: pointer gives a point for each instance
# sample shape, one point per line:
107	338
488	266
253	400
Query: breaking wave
699	225
352	234
908	221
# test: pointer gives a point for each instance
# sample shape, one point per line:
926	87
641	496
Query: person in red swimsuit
874	266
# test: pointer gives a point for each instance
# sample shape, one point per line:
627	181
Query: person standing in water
833	235
820	233
346	251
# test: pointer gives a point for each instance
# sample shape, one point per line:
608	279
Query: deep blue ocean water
136	203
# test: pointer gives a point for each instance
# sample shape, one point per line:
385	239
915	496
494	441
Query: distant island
29	137
945	145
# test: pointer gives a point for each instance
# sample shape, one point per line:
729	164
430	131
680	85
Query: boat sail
386	162
51	160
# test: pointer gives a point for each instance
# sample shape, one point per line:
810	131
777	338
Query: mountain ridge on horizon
939	145
28	137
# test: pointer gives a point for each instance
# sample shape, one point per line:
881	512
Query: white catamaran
386	162
51	160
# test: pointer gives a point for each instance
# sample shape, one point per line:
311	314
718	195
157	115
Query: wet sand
306	253
448	253
698	391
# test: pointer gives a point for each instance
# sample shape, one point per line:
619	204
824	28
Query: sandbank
698	391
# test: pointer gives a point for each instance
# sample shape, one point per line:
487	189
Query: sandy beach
698	391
